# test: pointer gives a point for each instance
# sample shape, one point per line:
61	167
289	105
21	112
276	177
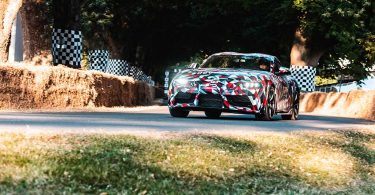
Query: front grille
185	98
210	101
239	100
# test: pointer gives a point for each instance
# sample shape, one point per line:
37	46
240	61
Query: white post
16	41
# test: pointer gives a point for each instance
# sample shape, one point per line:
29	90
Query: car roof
269	57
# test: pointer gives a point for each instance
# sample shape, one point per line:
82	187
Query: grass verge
304	162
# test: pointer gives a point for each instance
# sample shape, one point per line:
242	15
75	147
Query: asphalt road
157	119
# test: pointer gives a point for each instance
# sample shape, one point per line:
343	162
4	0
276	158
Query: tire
179	113
213	114
269	110
294	110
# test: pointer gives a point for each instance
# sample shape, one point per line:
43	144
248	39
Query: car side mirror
193	65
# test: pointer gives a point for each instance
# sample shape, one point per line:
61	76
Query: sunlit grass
371	146
305	162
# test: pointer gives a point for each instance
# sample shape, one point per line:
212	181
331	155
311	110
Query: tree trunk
302	54
36	32
114	48
8	12
304	58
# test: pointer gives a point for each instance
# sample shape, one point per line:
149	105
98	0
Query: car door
283	103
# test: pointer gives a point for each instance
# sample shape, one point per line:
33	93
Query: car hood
206	74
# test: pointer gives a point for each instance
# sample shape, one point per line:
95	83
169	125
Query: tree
337	31
98	19
67	14
155	33
36	17
8	12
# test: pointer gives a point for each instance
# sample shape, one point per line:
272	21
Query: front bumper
242	103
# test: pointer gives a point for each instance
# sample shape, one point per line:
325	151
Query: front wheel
270	108
212	114
179	113
294	110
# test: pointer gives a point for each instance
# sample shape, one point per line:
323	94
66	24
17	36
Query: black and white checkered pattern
305	77
98	60
67	47
117	67
169	74
138	75
132	71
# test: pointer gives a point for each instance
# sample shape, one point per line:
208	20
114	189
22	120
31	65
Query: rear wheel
294	110
212	113
269	110
176	112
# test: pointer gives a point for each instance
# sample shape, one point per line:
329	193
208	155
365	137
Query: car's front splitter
226	105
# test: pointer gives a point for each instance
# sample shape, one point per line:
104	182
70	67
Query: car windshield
238	61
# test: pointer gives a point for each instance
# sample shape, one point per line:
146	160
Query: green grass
305	162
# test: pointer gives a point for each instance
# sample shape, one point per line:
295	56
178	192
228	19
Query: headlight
252	85
181	81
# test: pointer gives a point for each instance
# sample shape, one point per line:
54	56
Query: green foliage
324	81
154	34
343	29
97	18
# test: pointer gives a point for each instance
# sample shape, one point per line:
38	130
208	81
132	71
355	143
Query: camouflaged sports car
235	82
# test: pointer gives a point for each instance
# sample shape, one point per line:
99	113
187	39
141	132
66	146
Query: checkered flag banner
67	47
117	67
305	77
132	71
143	78
138	75
98	60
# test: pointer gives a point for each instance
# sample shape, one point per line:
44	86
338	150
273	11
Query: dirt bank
30	87
355	104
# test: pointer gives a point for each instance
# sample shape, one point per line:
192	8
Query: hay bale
25	87
355	104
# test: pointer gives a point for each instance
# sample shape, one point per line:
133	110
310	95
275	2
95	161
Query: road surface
157	119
